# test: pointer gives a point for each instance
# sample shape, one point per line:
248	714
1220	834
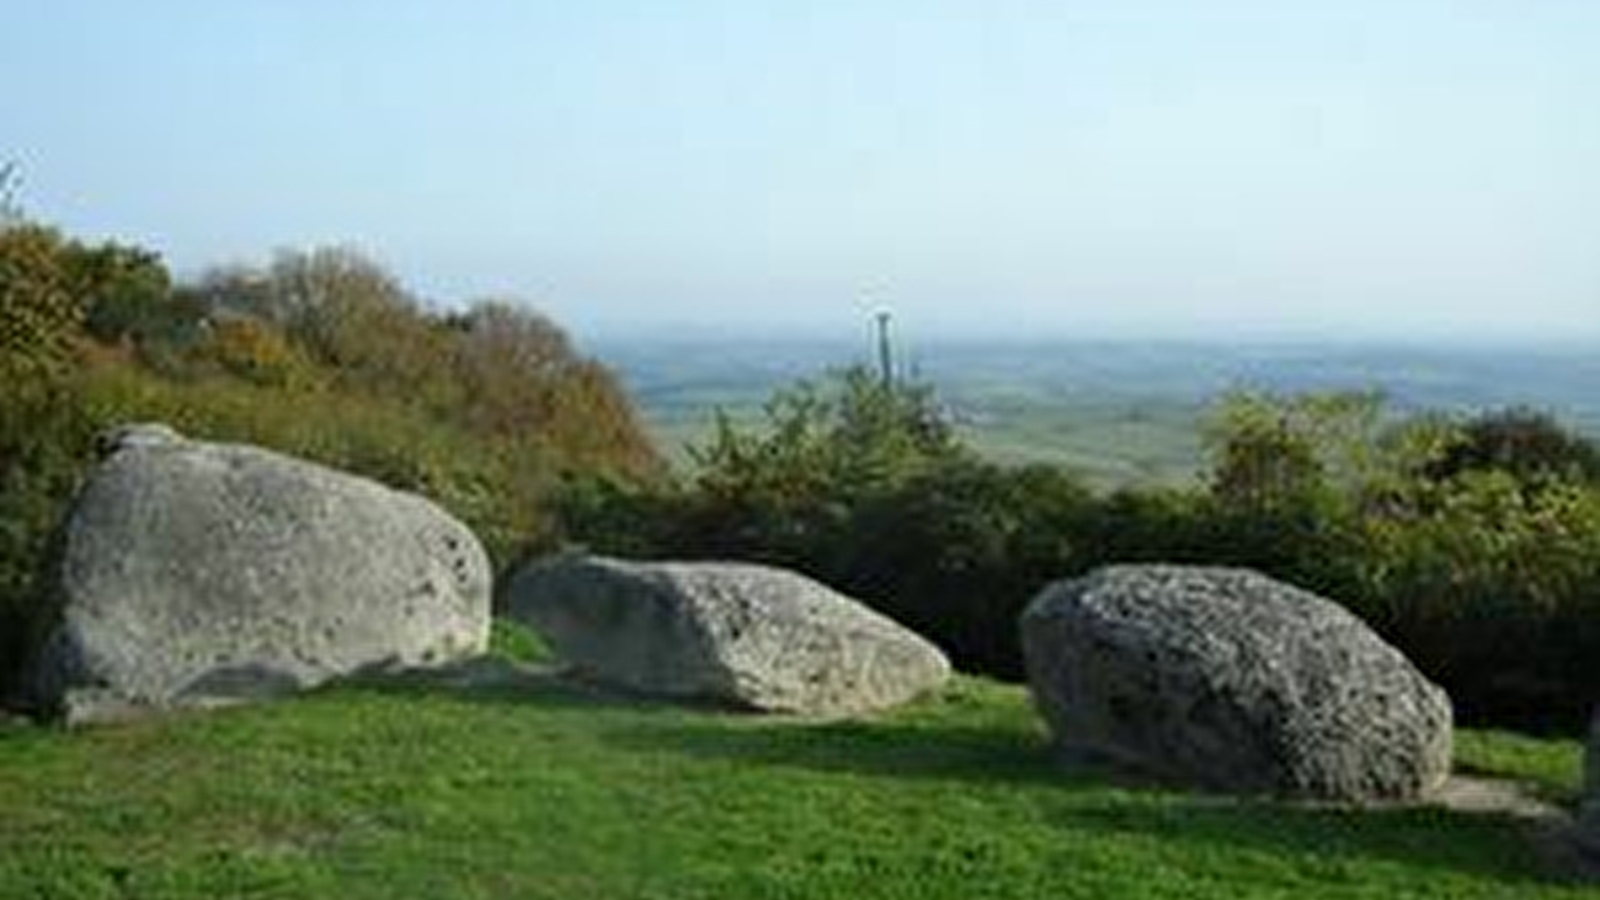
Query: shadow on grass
931	745
495	680
883	748
1495	847
1332	841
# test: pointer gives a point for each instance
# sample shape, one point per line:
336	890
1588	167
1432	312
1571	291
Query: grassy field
1109	447
526	786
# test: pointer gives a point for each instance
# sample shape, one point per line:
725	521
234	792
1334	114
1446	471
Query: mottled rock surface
1227	679
745	635
193	573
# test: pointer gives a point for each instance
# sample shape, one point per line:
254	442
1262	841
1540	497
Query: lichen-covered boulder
745	635
192	573
1226	679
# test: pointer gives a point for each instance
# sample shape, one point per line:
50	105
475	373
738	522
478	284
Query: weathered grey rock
1227	679
745	635
193	573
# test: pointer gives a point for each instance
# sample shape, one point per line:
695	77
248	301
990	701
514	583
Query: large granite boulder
745	635
1229	680
193	573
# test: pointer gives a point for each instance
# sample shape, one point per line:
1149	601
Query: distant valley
1118	412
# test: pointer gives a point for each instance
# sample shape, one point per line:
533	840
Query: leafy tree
354	317
499	371
502	353
784	490
345	314
1267	451
127	295
58	291
40	316
1528	444
40	329
854	433
1492	589
1475	549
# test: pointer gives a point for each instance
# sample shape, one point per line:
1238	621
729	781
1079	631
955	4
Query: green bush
1530	445
785	493
39	313
1488	577
862	485
957	552
1494	589
1474	547
44	445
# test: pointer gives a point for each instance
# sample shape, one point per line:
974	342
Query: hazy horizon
1417	171
860	333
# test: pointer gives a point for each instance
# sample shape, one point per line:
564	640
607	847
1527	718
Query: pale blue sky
1411	169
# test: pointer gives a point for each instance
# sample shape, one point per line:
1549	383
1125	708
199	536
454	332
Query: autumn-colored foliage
322	354
39	313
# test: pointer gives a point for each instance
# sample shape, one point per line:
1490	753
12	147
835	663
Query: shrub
250	350
1495	591
44	444
784	492
127	295
1529	445
958	551
521	381
862	485
1488	578
39	314
1475	548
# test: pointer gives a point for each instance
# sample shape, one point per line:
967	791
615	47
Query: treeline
1472	545
320	353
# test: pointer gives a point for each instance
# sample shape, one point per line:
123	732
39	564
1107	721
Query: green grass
517	642
1552	768
531	787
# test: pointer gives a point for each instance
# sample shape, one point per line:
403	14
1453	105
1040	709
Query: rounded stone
747	635
1227	679
193	573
